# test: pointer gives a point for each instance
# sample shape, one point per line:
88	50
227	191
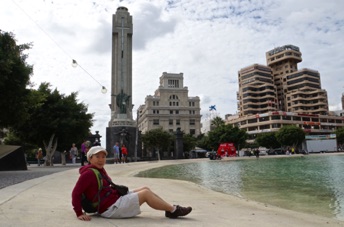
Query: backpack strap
100	186
99	177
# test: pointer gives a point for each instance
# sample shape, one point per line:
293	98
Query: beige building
257	92
279	94
297	90
171	107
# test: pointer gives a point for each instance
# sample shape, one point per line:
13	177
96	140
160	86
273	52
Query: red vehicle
226	150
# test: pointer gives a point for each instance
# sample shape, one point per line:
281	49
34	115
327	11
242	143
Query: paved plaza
46	201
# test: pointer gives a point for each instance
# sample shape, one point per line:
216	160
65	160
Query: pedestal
121	134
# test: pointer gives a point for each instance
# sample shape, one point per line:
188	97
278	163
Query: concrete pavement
46	201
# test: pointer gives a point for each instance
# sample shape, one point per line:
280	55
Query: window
170	122
192	121
155	111
171	111
178	122
173	83
192	131
155	121
177	111
174	97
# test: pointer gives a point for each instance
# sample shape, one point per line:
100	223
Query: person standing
73	153
39	156
116	153
83	153
124	153
257	153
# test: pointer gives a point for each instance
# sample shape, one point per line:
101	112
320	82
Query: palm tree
217	122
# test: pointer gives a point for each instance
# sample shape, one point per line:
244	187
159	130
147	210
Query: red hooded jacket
87	184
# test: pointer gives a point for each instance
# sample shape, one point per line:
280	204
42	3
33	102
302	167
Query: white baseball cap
95	150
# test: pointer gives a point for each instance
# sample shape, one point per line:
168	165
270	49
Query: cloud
149	24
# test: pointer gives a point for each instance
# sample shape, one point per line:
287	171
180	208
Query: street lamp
74	63
137	134
104	90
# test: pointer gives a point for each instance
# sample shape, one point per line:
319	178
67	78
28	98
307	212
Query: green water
310	184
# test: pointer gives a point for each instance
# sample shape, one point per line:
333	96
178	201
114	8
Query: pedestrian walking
39	156
73	153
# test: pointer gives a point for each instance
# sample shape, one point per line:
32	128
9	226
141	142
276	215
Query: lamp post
137	134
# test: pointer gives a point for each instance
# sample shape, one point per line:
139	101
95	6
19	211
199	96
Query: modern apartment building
257	91
297	90
279	94
171	107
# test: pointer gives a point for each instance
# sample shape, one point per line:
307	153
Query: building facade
280	94
171	108
257	91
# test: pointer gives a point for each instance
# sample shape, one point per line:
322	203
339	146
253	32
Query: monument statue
123	137
122	127
122	101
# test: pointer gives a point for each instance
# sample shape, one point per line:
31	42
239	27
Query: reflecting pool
310	184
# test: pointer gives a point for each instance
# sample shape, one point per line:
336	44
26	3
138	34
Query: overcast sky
207	40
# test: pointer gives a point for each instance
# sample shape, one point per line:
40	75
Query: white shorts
125	207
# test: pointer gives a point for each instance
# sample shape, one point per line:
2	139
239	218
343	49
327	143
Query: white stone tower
121	84
122	128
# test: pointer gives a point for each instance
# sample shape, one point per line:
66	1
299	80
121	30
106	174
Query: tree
226	134
217	122
157	140
268	140
202	141
56	121
340	136
290	135
189	142
14	79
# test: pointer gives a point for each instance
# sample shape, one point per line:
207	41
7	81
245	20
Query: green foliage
202	141
217	122
290	135
157	139
33	116
340	135
12	139
55	113
268	140
14	79
226	133
189	142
